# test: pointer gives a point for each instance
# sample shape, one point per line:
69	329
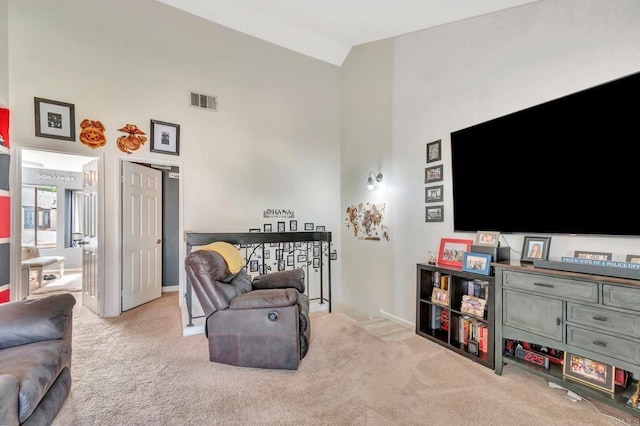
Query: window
39	216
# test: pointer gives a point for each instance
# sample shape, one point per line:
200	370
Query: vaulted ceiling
328	29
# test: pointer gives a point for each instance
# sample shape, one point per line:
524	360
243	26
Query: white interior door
90	296
141	235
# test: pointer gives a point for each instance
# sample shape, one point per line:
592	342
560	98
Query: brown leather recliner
262	323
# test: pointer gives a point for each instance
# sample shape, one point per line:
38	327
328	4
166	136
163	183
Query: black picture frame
54	119
434	194
254	230
165	137
333	256
433	174
308	226
293	225
253	266
535	248
633	258
302	258
595	255
281	227
290	261
267	227
320	228
316	262
434	213
434	151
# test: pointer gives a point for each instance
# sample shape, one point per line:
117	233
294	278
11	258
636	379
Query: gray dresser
591	316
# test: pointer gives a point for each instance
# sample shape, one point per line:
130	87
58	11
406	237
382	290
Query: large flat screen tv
568	166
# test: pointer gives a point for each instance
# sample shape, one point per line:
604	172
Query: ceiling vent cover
202	101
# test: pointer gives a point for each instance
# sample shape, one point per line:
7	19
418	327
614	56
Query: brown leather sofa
262	323
35	359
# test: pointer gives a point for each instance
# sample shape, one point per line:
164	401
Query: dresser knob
600	318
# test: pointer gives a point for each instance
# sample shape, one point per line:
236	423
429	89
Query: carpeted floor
138	369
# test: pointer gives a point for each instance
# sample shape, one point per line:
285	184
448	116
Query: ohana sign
273	213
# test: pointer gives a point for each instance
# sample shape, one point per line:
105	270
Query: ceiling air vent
202	101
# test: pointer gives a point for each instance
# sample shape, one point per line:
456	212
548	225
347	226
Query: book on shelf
444	319
470	287
444	282
454	327
435	317
463	329
480	289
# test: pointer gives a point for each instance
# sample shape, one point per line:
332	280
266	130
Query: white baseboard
396	319
169	288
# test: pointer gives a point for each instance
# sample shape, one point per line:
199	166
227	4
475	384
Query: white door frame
15	192
181	250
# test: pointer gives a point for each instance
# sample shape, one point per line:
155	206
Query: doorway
51	219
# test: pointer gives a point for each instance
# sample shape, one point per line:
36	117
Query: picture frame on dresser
633	258
488	238
593	373
478	263
595	255
452	251
535	248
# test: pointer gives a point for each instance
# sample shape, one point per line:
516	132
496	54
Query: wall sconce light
372	182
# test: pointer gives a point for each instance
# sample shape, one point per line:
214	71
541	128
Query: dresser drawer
604	319
604	344
621	296
585	291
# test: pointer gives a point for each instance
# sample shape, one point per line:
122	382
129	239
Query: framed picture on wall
434	214
434	151
433	174
54	119
633	258
433	194
293	225
165	137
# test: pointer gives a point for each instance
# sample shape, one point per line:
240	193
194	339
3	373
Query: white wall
273	144
4	53
457	75
367	266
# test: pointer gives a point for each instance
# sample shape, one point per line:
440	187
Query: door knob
159	241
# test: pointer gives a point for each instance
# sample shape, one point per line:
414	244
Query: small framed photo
472	345
434	151
267	254
333	256
433	194
452	251
488	239
633	258
281	227
320	228
316	262
267	227
286	246
593	373
316	251
281	265
478	263
535	248
433	174
434	214
279	254
54	119
165	137
302	258
293	225
254	229
592	255
253	266
308	226
290	260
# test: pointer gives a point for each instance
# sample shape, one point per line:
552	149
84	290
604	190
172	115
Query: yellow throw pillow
230	254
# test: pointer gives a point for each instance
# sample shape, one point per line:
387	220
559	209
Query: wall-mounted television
567	166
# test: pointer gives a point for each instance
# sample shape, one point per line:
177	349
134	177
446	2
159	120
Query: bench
33	261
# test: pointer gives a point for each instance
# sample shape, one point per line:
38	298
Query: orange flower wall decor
92	133
134	140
